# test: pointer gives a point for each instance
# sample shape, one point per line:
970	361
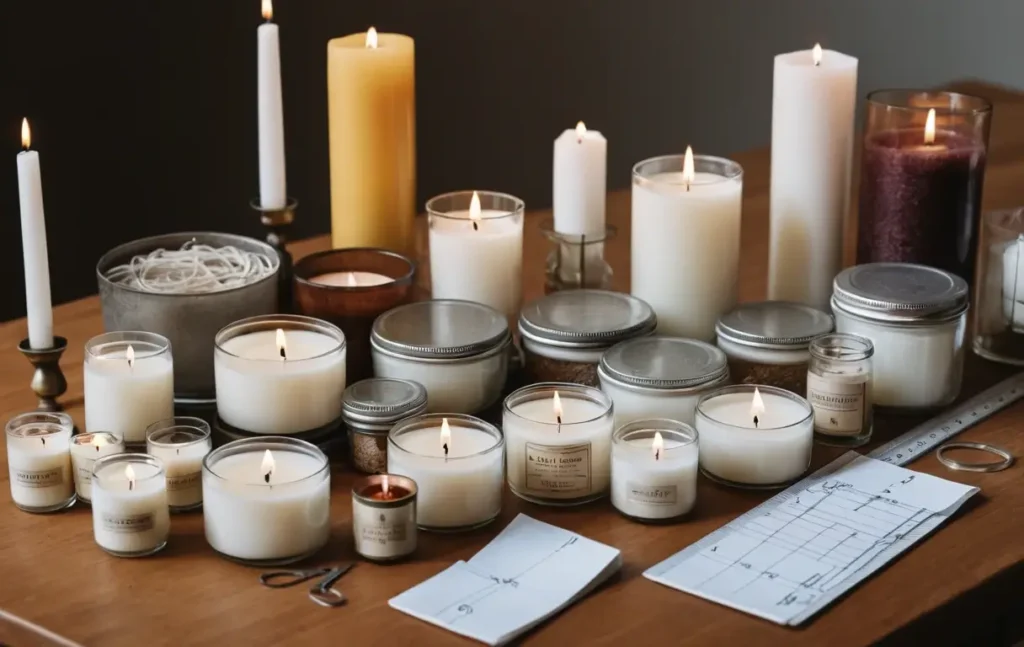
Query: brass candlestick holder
278	222
48	380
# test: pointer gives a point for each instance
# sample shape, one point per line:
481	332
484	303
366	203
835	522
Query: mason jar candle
130	517
86	449
915	316
369	409
384	517
181	443
654	469
565	333
39	461
456	349
839	388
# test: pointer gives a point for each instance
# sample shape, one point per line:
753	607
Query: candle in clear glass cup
130	517
181	443
654	469
86	449
39	461
351	279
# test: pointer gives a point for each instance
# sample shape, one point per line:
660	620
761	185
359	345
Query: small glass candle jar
350	288
384	517
86	449
559	438
267	501
999	288
370	408
129	383
654	469
754	436
915	317
660	377
39	461
457	462
576	261
130	517
279	374
767	342
181	444
839	389
565	333
456	349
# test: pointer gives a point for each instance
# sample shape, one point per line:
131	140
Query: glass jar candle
999	288
654	469
456	349
130	517
839	389
767	342
660	377
915	316
39	461
370	408
181	443
86	449
559	438
565	333
384	517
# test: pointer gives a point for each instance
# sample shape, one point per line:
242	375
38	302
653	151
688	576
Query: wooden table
53	574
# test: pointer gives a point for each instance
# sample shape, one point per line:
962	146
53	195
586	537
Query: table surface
54	575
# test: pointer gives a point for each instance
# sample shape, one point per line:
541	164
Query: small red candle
384	491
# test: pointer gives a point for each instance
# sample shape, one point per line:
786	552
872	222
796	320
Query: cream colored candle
371	114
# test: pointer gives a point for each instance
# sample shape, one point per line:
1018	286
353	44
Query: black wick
44	442
657	454
755	422
476	227
284	354
266	478
131	485
559	419
445	447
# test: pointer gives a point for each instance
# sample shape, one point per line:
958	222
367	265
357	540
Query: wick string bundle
193	269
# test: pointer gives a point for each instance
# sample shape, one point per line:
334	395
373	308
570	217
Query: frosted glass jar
916	318
458	350
660	377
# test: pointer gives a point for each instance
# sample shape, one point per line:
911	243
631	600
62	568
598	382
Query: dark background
144	111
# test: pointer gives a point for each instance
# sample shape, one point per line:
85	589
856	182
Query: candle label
839	406
127	523
384	532
652	494
562	470
183	481
39	478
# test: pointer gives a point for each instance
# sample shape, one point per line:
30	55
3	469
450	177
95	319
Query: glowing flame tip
371	38
688	171
929	127
816	54
267	9
581	130
26	135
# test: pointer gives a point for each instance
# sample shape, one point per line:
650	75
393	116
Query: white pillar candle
457	463
273	191
814	97
754	435
267	499
558	443
351	279
279	374
476	249
654	469
686	240
129	383
86	449
579	192
39	461
1013	283
33	242
181	444
130	517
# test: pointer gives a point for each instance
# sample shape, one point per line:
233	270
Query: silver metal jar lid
776	325
382	400
586	319
440	329
899	292
663	363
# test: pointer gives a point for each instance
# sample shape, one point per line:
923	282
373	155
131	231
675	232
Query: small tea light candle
384	517
130	517
86	449
181	444
457	462
351	279
654	469
559	438
754	435
39	461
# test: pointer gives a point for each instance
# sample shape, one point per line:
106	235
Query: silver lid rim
945	306
591	339
714	374
375	414
790	342
910	318
476	350
662	386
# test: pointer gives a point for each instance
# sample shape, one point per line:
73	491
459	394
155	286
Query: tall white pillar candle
579	183
273	190
181	443
86	449
686	240
130	517
814	98
33	242
39	461
654	469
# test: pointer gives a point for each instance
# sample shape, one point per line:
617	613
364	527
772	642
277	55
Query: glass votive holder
350	288
922	169
39	461
279	374
129	383
576	261
654	469
558	440
839	387
457	462
476	248
754	436
999	288
130	517
369	409
384	517
267	501
181	443
86	449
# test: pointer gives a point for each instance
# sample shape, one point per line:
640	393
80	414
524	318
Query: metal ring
995	466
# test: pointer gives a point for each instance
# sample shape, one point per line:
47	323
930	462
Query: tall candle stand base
278	222
48	381
576	261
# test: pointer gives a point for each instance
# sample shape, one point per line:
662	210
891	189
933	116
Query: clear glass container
86	449
654	469
384	517
576	261
370	408
39	461
130	517
181	443
839	381
999	288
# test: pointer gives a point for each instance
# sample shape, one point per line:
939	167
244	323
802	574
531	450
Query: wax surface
573	410
734	409
300	344
247	468
464	442
351	279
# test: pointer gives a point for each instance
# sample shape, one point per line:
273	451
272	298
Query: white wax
123	399
579	183
1013	284
183	466
351	279
776	451
273	191
812	145
654	488
685	250
260	393
130	520
248	519
464	490
84	456
33	243
484	265
40	472
466	386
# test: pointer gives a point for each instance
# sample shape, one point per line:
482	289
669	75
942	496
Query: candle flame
267	466
26	135
816	54
384	485
556	405
267	8
282	346
756	406
99	441
130	356
350	279
474	211
658	445
371	38
129	474
446	436
581	130
929	127
688	173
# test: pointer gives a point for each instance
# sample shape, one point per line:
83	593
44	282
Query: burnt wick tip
266	478
445	447
755	422
43	440
476	227
284	354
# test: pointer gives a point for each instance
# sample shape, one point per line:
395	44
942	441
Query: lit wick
657	445
756	406
267	467
474	211
556	404
689	174
816	54
129	474
282	346
43	440
130	356
446	436
581	131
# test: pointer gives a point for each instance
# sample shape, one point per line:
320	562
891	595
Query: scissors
323	592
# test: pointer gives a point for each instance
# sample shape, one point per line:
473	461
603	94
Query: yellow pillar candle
371	108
